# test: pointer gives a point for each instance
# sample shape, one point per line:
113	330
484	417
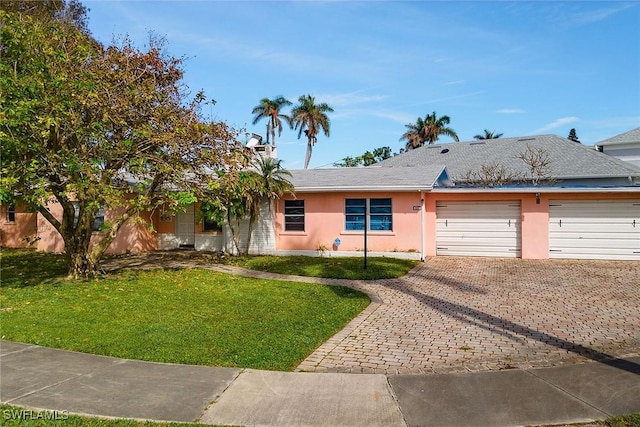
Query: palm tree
436	126
271	178
310	118
267	181
427	130
270	109
488	135
414	134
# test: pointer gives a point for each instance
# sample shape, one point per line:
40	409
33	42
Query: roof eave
538	190
351	189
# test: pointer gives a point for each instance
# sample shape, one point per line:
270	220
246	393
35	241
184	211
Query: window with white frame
378	212
294	215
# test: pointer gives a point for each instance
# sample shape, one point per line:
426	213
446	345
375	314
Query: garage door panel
463	232
602	229
599	243
478	229
613	256
483	251
580	229
477	241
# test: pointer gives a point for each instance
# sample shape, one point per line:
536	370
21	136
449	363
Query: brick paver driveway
459	314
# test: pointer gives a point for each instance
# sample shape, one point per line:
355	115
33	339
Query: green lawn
331	267
188	316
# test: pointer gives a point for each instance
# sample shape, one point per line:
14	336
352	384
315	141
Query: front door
185	227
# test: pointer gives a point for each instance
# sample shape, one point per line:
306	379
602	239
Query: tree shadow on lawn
24	268
511	330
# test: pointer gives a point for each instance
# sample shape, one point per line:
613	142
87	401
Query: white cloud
455	82
510	111
556	124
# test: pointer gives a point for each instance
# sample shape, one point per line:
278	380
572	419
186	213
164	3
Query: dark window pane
354	222
294	211
381	222
11	213
294	227
294	215
380	209
355	210
380	206
98	221
294	203
211	226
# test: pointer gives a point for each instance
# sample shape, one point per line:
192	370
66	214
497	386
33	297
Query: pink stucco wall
325	221
19	233
132	236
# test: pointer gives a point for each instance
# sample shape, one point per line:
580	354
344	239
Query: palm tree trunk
307	158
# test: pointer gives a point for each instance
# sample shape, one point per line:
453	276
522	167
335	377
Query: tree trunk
308	156
81	265
234	234
79	261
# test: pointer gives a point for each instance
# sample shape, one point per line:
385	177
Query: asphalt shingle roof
371	178
624	138
568	159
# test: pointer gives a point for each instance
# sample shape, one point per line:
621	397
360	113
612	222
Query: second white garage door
490	229
594	229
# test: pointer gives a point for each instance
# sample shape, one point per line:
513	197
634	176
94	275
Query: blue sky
517	68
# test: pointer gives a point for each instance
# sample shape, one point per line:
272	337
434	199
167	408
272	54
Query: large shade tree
271	109
310	118
68	11
87	126
427	131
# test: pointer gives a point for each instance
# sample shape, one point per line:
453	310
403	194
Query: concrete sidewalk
44	378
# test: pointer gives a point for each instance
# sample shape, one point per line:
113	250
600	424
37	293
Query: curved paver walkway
475	314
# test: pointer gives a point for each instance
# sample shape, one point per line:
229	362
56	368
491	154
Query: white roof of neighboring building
624	138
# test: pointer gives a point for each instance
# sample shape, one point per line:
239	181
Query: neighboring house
625	146
554	199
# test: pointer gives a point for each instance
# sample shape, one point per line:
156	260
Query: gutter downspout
422	227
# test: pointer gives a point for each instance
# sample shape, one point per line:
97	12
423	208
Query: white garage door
478	229
594	229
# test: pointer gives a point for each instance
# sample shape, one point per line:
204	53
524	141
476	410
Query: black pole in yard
365	237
